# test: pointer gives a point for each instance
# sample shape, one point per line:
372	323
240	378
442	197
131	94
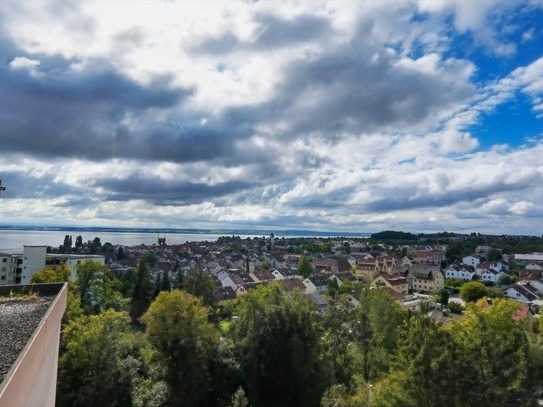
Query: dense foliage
125	343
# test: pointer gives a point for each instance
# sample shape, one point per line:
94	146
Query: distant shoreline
226	232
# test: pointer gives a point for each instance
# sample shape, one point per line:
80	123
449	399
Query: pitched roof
292	284
395	279
224	293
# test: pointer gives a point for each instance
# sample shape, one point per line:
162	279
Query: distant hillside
393	235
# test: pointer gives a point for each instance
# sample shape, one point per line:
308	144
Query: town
414	274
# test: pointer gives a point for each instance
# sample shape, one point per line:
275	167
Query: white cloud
327	114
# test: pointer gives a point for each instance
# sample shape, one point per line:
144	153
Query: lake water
13	240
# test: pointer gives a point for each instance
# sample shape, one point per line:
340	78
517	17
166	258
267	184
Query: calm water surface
13	240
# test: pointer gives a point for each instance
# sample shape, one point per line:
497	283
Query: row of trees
92	246
169	348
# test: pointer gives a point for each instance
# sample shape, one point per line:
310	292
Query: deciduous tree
100	361
178	329
280	348
304	267
472	291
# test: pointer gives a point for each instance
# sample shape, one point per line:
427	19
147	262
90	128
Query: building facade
18	268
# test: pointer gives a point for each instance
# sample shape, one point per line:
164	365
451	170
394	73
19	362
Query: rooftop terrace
30	319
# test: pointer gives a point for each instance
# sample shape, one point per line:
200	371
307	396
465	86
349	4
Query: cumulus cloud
322	115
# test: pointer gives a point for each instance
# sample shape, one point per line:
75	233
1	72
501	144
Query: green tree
52	275
100	361
199	283
443	297
277	337
505	280
165	285
425	372
338	322
472	291
120	254
95	245
67	243
239	399
142	295
494	255
184	342
304	267
96	289
496	368
78	242
158	282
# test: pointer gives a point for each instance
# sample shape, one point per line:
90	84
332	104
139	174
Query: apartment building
18	268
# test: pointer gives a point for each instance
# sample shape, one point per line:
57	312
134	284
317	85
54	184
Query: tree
120	254
239	399
277	338
443	297
505	280
199	283
94	245
338	339
496	368
67	243
425	372
472	291
100	361
96	289
52	275
166	285
142	294
78	242
158	283
184	342
494	255
304	267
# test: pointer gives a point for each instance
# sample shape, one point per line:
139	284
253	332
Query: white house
459	270
492	275
316	283
285	274
472	260
523	292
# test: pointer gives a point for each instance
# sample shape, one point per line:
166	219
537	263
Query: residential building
292	284
523	293
425	278
262	276
395	281
472	260
528	258
367	270
316	283
491	275
18	268
459	270
428	257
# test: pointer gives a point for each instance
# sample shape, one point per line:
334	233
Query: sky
341	116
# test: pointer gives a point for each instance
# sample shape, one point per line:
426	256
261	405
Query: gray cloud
161	192
274	32
321	149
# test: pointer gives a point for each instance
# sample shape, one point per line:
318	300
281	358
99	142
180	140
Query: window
3	278
4	260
